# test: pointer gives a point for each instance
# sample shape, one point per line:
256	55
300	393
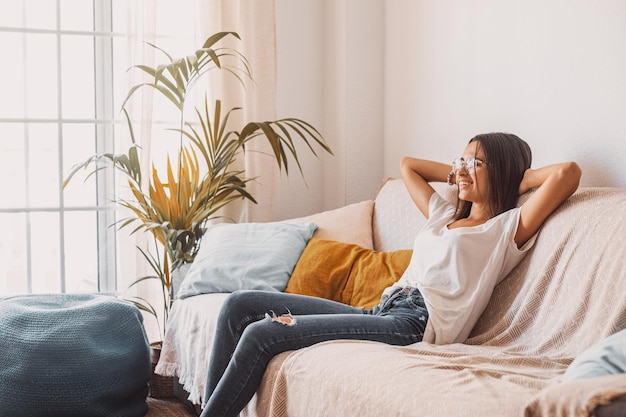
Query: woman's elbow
570	175
405	162
406	165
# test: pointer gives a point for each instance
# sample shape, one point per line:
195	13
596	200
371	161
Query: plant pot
160	386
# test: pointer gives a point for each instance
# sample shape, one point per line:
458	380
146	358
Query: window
65	71
57	107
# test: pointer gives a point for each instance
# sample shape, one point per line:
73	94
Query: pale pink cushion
348	224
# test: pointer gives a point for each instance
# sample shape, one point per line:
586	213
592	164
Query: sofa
567	295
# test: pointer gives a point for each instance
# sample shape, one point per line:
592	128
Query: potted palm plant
200	179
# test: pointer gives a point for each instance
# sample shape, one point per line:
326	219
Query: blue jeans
249	335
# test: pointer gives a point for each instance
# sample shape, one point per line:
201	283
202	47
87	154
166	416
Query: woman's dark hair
507	158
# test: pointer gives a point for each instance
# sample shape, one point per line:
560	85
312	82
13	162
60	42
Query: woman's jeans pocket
402	301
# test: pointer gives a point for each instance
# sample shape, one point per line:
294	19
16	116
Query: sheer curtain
179	29
254	21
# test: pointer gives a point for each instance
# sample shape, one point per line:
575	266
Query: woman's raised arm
416	174
554	183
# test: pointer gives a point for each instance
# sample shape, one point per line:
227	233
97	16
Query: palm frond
175	79
200	180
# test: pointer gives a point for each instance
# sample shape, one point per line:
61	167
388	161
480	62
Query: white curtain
254	21
140	27
180	28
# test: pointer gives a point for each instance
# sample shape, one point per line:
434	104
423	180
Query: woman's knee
236	302
262	337
253	302
241	308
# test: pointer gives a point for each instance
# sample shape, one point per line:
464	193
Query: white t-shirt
457	269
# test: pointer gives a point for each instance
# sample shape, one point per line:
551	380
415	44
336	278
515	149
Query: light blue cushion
604	358
235	256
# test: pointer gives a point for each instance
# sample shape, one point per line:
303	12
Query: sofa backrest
396	219
569	291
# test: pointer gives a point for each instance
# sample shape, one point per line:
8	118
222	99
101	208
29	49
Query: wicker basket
160	386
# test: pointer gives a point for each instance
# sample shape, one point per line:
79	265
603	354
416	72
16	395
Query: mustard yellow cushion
346	272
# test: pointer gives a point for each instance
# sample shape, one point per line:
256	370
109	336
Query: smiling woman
457	261
493	166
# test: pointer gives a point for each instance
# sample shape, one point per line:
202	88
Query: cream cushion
348	224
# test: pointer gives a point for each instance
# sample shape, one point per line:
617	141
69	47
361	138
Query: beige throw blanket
567	294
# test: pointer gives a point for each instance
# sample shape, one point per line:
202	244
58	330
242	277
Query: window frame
104	123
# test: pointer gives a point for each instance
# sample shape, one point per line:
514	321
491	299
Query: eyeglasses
470	164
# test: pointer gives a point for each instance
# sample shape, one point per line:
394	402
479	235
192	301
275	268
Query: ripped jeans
254	326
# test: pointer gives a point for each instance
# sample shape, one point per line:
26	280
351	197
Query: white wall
331	73
553	72
383	79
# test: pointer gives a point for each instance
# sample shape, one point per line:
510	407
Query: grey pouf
72	355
